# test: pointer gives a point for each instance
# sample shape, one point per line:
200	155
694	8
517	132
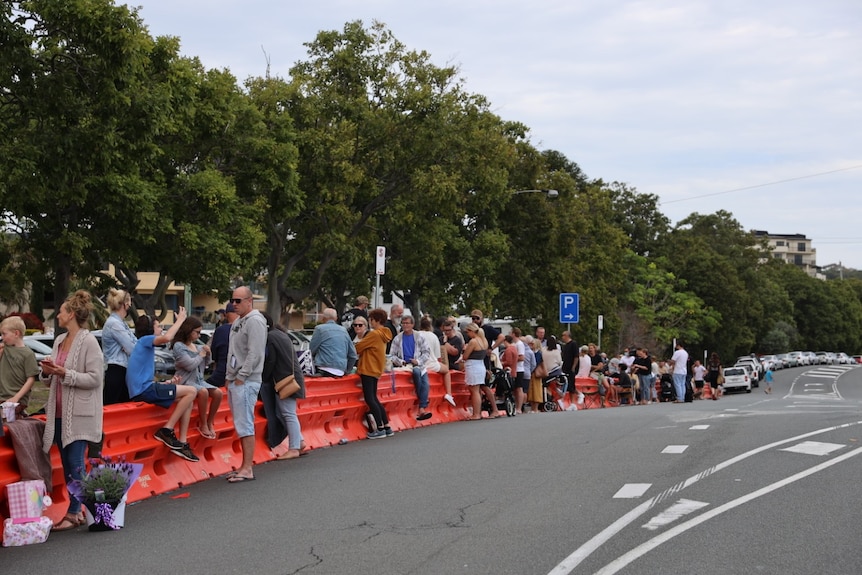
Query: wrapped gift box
26	533
26	499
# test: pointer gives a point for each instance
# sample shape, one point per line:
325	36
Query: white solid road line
620	562
569	564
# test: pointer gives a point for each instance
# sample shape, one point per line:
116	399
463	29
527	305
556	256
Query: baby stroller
667	392
553	391
503	386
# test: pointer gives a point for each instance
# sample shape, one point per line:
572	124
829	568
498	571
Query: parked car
811	357
857	358
842	358
772	362
164	360
782	357
737	377
795	358
823	358
754	368
299	339
40	349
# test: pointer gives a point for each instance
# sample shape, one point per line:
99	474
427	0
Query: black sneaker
168	437
185	452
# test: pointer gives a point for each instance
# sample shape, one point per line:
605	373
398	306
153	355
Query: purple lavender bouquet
103	491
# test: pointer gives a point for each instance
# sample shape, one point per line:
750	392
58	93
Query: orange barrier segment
333	410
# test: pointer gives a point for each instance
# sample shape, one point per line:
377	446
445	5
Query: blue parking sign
569	308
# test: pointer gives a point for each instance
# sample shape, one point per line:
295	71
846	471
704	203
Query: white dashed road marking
814	448
632	490
674	449
679	509
699	427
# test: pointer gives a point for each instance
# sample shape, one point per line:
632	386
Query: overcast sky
690	100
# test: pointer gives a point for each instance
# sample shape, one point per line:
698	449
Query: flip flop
66	524
207	434
239	478
423	416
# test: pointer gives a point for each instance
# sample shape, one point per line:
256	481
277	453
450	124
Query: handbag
540	371
286	387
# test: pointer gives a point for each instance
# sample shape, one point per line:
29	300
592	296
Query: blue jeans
420	381
275	428
287	414
679	386
646	384
72	458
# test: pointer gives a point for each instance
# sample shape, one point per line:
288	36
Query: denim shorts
161	394
242	399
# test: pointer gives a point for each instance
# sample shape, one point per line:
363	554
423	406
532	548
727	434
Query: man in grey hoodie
244	375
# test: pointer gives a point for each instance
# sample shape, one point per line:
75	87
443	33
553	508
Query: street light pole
550	193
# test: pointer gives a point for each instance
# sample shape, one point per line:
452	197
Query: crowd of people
250	356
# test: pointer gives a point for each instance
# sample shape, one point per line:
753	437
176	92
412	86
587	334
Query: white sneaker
450	399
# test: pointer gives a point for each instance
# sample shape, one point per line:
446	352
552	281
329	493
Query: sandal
206	433
66	523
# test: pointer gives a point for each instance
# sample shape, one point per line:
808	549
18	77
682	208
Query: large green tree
79	116
392	150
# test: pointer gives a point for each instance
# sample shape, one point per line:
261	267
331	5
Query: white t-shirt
585	365
699	372
680	362
522	351
432	364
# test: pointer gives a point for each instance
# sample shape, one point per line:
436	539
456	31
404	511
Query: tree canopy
114	149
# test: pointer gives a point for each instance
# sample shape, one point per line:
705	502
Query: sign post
570	308
380	264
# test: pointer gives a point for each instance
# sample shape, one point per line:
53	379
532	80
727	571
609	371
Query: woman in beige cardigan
75	376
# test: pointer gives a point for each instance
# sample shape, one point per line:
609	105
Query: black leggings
115	390
369	390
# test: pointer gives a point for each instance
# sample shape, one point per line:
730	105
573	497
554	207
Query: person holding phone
75	376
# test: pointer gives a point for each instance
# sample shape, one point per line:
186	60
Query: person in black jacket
279	362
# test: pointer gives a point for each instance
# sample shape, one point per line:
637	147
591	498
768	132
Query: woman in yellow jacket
372	362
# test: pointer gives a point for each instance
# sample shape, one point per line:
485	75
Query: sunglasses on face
358	325
475	317
236	300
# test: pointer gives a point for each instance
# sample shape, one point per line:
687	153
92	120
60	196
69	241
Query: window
801	247
779	243
797	259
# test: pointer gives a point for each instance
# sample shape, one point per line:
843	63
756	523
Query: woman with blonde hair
118	341
74	374
473	357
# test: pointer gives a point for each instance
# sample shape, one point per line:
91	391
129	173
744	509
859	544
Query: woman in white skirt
474	355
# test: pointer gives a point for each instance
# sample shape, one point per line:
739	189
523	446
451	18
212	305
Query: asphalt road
752	483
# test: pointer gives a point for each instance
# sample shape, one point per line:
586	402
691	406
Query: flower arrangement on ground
103	491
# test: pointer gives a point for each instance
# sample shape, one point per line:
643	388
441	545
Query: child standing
18	367
767	378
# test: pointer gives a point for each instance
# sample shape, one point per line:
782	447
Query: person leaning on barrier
279	362
118	341
219	345
244	375
333	351
371	348
18	367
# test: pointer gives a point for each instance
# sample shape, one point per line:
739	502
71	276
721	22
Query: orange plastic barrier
333	410
590	388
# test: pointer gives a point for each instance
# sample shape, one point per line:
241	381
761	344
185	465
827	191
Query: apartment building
794	249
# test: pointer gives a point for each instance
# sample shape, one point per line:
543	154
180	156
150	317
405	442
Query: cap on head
230	308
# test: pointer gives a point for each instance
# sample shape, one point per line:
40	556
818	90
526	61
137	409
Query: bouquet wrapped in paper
103	492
